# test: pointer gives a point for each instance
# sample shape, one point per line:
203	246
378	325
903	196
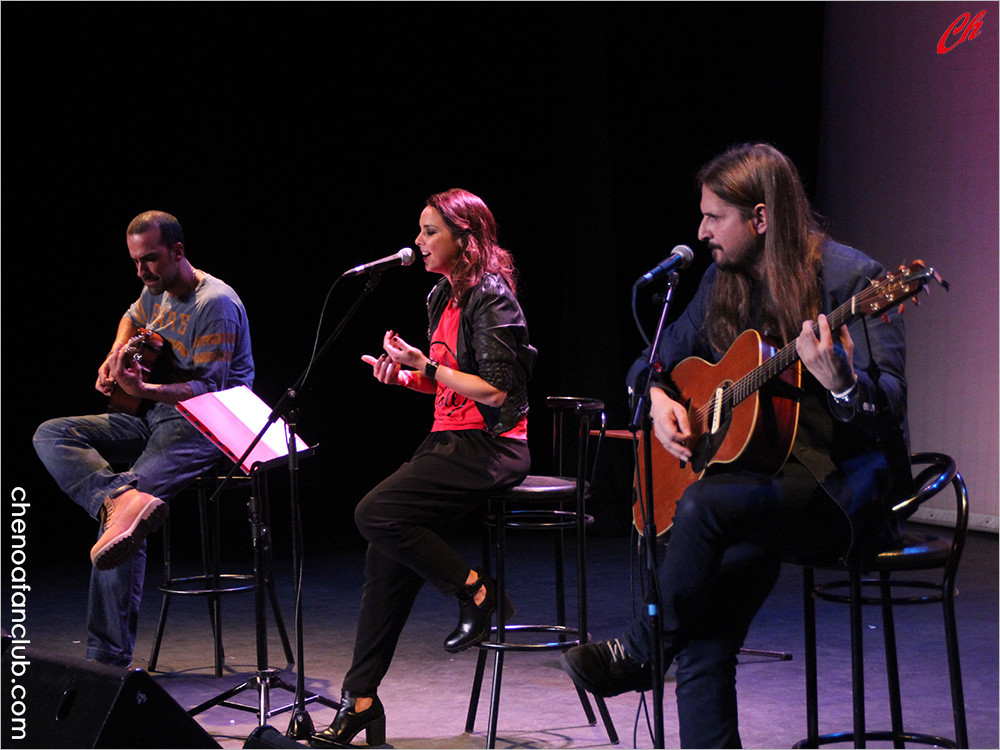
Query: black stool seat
542	490
918	552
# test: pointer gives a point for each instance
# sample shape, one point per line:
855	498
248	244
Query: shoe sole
124	546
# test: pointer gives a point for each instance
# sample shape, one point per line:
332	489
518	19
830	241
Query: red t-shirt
452	411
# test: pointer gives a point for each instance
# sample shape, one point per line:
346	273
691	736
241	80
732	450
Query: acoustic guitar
744	410
151	353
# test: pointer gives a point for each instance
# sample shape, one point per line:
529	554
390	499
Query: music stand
301	723
237	422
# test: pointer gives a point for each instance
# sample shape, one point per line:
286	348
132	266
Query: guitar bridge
716	422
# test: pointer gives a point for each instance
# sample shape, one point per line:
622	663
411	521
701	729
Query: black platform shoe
347	724
473	619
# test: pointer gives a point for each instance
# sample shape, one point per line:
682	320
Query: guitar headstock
895	287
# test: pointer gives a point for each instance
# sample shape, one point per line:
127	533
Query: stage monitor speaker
76	703
269	737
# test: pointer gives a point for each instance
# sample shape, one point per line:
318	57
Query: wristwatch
847	396
431	369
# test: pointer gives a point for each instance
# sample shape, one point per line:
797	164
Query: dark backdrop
294	141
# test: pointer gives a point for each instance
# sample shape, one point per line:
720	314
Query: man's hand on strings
670	423
124	371
829	357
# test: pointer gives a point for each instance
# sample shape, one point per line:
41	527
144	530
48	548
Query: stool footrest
825	591
541	519
182	586
879	736
560	630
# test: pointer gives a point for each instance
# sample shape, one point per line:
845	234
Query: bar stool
554	504
918	552
210	582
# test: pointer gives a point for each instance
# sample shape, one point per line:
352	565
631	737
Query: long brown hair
745	176
472	225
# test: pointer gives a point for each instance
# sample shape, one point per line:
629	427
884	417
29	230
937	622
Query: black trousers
730	533
451	475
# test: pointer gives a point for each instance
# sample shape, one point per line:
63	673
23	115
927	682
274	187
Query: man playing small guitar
806	471
123	467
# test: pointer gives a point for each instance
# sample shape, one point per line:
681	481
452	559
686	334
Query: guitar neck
885	293
787	355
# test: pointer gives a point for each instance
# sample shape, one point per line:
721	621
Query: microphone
680	257
403	258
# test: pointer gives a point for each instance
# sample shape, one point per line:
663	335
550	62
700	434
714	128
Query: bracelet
430	369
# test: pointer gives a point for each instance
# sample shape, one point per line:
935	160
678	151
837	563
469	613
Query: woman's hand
385	370
388	367
401	352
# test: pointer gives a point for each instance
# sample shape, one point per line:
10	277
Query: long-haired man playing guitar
776	272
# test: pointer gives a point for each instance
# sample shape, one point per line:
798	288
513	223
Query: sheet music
232	418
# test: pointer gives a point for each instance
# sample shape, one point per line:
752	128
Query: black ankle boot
473	619
347	724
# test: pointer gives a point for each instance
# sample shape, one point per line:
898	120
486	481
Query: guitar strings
735	392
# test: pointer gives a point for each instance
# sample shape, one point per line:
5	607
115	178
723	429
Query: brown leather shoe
128	519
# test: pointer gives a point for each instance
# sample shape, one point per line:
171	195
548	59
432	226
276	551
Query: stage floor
426	693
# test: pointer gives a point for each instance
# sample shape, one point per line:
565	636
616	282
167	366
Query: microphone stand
301	725
641	420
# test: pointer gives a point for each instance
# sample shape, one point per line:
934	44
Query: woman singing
477	367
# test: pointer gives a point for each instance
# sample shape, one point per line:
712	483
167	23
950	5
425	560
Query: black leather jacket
492	343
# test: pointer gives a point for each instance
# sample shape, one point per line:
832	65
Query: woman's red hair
475	230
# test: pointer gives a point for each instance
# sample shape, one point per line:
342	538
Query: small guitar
744	410
148	350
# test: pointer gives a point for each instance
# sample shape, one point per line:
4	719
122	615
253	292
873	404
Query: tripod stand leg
223	699
265	679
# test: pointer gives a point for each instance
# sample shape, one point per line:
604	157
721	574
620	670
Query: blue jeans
164	453
729	535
